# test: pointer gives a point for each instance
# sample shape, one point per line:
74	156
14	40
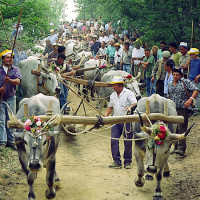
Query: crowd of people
171	70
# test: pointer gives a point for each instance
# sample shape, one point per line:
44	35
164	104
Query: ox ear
53	133
18	135
181	136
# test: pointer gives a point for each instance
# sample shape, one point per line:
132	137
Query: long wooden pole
111	120
12	51
192	33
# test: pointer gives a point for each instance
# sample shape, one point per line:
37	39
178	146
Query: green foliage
36	16
155	19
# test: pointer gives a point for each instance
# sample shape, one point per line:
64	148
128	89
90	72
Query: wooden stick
111	120
85	82
4	86
192	34
49	111
147	110
81	97
25	110
38	87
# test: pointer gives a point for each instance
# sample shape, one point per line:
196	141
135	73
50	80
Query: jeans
150	86
197	99
127	68
116	132
63	95
6	135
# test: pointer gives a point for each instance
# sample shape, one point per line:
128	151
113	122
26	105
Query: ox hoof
57	184
166	174
157	197
139	183
148	177
50	194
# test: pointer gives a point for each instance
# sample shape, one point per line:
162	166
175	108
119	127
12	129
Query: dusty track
82	165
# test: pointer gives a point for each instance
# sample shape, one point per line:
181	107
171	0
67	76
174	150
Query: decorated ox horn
63	69
43	65
143	127
13	119
175	136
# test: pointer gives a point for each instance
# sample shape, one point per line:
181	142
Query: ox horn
63	69
143	127
43	65
58	118
175	136
13	120
138	76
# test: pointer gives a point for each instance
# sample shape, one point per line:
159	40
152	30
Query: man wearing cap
158	73
178	91
118	55
95	47
11	76
194	72
122	100
184	58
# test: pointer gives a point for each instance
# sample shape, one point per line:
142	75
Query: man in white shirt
138	56
102	51
118	56
122	100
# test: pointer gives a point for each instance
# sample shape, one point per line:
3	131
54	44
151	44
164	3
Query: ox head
38	145
134	87
159	142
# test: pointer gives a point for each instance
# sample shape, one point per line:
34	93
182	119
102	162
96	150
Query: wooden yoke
49	111
148	111
37	73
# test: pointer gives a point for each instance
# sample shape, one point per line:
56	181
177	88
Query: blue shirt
166	82
194	69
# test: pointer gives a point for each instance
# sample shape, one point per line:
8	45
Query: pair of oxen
38	150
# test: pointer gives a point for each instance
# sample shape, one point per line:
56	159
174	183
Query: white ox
38	149
156	155
105	92
48	81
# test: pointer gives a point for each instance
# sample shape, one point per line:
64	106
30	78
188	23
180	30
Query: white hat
117	79
51	30
183	44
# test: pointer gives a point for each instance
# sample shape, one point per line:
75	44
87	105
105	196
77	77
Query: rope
81	97
95	98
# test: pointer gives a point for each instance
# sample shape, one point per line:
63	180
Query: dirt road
82	165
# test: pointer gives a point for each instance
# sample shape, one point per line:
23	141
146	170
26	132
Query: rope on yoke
99	123
90	84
